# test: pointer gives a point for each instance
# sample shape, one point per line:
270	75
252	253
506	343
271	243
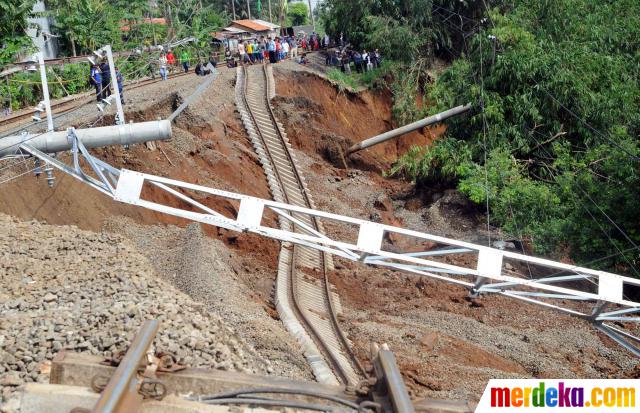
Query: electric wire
20	175
615	224
632	267
584	122
511	207
275	403
484	142
276	390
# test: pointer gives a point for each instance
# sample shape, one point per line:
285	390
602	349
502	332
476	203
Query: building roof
254	25
232	29
266	23
125	25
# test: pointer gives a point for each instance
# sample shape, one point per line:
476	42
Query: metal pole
45	91
248	10
121	393
408	128
114	83
53	142
270	17
233	7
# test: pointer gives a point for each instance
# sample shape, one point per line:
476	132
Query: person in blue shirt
106	80
96	80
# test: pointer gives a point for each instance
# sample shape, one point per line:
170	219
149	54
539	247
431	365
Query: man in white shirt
241	51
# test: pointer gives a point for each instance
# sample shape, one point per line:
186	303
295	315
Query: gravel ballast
63	288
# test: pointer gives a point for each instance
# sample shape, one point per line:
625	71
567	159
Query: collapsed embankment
325	120
446	345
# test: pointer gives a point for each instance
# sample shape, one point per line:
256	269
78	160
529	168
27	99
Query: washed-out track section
304	297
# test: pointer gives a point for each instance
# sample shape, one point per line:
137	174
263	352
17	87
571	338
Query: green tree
298	14
86	24
557	84
13	26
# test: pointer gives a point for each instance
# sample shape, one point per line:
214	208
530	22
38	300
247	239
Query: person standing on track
278	49
184	59
250	50
106	80
163	66
241	52
96	80
171	59
271	48
256	51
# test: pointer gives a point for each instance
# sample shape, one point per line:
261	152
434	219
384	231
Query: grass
373	79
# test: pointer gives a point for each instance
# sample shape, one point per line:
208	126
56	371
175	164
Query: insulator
50	178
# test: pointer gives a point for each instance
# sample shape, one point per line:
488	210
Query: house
253	28
242	30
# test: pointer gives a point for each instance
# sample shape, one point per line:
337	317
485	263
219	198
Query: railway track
304	295
70	104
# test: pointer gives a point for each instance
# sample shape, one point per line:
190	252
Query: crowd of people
362	62
248	52
274	49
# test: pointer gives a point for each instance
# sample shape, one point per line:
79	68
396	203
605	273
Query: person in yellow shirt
250	51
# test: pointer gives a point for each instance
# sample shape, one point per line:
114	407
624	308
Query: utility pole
313	23
114	84
45	91
248	10
233	7
270	18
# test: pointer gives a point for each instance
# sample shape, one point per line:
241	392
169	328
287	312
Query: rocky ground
88	289
63	288
227	274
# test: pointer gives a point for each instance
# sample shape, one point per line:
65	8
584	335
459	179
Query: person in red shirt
278	50
171	58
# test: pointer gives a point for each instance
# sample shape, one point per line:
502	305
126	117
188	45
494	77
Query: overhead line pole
45	91
409	128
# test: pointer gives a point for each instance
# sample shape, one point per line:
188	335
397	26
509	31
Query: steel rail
121	393
317	337
326	283
84	98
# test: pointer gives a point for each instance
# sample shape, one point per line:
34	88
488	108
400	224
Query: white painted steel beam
586	289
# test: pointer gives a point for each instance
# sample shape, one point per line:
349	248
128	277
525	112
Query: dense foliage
297	14
559	82
13	26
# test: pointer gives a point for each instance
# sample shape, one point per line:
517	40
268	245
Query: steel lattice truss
596	296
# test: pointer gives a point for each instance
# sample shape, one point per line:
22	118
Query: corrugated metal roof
252	25
266	23
234	30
